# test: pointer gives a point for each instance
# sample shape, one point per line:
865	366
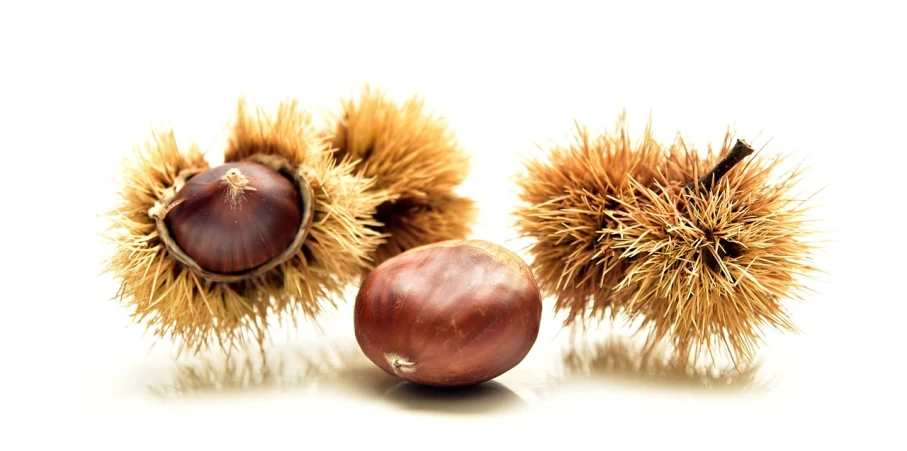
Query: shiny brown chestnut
236	220
453	313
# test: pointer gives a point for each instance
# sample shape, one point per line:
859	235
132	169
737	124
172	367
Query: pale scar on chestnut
399	364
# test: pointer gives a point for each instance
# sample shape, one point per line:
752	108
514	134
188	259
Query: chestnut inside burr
236	220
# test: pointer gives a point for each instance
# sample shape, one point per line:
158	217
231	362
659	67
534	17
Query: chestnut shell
453	313
232	236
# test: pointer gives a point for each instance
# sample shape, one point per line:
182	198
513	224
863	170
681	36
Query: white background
80	83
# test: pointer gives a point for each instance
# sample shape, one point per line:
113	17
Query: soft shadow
368	381
319	367
618	359
488	397
244	371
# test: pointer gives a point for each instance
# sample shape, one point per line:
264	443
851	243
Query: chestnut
212	255
236	220
452	313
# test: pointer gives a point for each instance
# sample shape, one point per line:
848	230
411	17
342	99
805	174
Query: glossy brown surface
229	234
451	314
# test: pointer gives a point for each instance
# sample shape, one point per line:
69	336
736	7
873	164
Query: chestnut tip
278	177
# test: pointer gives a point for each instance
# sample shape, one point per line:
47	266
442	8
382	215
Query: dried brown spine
177	301
713	257
567	194
415	161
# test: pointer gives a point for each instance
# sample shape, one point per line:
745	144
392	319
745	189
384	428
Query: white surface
81	81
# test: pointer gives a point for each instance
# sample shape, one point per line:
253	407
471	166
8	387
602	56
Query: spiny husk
567	193
710	267
416	160
173	302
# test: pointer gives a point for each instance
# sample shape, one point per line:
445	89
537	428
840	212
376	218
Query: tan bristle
174	302
710	267
415	160
567	194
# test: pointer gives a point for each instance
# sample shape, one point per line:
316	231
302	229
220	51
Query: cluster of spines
701	259
350	230
415	159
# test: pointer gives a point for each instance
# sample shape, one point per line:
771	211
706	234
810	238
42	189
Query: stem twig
740	151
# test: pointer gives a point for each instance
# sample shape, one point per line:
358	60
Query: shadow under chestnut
320	369
487	397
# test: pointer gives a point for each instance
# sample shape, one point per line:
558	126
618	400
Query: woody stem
740	151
